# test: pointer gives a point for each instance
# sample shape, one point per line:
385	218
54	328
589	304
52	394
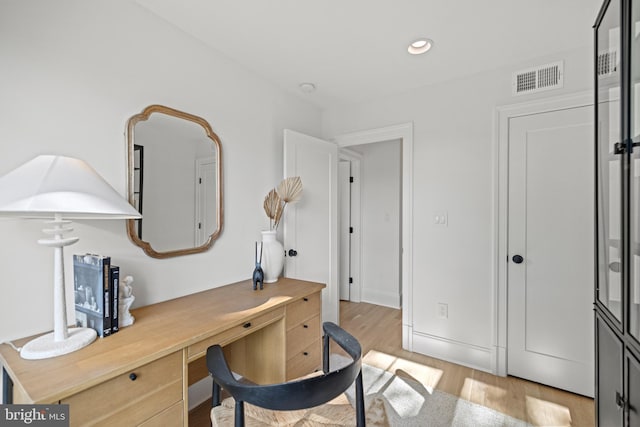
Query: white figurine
126	299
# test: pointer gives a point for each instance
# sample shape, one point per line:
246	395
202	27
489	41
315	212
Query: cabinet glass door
634	173
609	286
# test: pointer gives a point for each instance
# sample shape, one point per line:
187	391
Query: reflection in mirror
175	181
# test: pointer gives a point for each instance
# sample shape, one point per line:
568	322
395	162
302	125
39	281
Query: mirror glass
175	182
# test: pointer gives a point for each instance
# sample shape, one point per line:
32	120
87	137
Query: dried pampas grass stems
290	189
273	207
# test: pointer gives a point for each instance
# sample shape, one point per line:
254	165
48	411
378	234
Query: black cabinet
617	145
633	389
608	376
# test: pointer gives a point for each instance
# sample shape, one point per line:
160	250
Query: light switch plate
443	310
441	218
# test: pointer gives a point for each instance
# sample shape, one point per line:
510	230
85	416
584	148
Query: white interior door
311	224
550	291
344	225
205	199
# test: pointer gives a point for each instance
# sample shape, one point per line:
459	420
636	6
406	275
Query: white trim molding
403	131
387	299
465	354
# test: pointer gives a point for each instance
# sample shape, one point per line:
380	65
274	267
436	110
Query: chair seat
337	412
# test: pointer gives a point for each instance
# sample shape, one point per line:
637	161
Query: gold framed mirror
174	180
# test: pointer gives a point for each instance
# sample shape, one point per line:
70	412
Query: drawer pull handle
133	376
305	326
247	325
305	299
306	353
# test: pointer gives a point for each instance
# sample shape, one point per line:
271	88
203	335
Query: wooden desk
141	375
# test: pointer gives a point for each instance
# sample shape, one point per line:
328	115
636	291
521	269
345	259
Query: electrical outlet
443	310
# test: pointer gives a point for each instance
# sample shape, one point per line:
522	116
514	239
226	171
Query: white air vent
607	63
537	79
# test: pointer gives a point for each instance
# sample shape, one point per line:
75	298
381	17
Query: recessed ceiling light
307	87
420	46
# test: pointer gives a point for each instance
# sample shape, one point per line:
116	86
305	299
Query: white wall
380	210
73	72
454	171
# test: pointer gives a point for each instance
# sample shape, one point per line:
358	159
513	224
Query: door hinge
350	280
350	230
199	226
199	180
351	179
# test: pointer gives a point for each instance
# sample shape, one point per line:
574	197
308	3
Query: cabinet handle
306	353
133	376
619	400
305	299
305	326
247	325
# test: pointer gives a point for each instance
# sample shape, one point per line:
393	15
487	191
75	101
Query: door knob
293	252
620	401
517	259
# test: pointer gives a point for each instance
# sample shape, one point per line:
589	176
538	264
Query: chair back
298	394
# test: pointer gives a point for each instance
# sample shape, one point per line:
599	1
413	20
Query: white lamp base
44	347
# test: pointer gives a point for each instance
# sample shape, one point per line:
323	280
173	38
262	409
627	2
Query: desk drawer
130	398
305	361
199	349
301	335
174	416
303	309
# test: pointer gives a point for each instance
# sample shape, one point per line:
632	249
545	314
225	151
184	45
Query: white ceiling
355	50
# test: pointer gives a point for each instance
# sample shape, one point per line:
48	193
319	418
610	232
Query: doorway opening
370	213
404	133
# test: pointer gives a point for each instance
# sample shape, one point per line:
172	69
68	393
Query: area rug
402	397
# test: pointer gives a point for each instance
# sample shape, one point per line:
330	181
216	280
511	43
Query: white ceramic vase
272	256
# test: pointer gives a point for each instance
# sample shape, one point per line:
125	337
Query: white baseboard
386	299
407	334
469	355
199	392
500	362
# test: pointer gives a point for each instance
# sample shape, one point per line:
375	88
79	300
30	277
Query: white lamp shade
49	185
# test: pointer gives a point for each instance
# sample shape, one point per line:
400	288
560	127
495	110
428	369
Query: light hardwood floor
380	329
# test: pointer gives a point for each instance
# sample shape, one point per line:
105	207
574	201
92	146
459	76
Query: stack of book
96	288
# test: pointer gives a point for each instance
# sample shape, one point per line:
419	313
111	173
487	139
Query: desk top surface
159	329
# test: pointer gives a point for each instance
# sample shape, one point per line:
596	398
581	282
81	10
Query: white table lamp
60	188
